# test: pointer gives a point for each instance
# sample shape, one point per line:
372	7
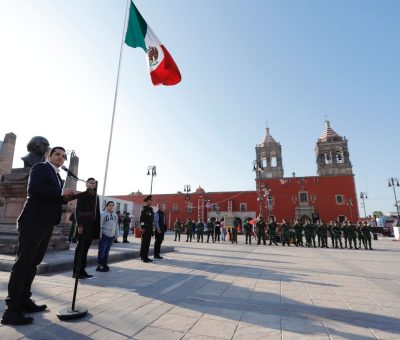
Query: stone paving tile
214	328
158	334
175	322
248	331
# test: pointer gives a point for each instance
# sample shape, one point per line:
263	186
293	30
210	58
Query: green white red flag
162	67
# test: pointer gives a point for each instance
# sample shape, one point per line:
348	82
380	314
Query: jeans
104	248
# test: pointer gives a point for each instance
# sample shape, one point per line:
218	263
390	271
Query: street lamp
187	189
350	204
217	212
364	196
258	167
394	182
151	171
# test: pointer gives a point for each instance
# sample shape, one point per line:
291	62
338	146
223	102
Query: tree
377	213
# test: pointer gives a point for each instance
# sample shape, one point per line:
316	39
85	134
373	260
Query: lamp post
258	167
151	171
364	196
187	189
350	204
217	212
394	182
268	201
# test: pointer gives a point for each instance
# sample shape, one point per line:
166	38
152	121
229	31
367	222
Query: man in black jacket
146	225
41	212
88	227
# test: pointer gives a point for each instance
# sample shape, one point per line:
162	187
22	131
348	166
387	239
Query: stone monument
13	186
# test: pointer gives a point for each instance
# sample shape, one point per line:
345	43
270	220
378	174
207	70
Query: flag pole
115	98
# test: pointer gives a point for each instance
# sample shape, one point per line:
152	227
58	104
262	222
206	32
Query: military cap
148	198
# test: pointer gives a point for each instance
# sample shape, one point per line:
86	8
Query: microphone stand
76	312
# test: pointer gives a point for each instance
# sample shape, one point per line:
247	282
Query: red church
331	195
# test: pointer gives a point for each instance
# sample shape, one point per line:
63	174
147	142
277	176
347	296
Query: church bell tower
332	154
269	157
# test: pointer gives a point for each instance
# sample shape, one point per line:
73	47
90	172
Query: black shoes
158	257
147	260
125	241
29	306
102	268
82	276
15	318
116	241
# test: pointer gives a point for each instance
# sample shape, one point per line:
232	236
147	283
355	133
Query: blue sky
244	63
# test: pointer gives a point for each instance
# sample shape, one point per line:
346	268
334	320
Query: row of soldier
315	234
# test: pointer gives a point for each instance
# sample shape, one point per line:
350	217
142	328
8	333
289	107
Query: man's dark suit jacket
87	216
44	202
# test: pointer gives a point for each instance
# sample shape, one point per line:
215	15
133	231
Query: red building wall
321	193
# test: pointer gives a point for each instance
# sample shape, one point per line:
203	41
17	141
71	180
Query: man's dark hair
55	148
90	179
109	202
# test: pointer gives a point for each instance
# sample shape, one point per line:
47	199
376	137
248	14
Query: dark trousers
217	236
145	245
33	240
200	235
177	235
261	235
157	243
81	249
126	233
248	237
189	236
210	233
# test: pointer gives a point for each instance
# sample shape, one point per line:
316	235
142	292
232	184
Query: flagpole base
70	314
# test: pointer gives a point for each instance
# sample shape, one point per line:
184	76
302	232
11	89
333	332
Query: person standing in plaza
366	230
352	235
210	230
223	230
178	229
260	227
285	233
298	229
146	225
337	232
126	222
331	234
271	231
160	226
188	229
200	230
217	231
109	232
88	227
40	213
360	235
247	231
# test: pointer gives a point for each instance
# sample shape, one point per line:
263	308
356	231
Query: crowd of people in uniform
307	234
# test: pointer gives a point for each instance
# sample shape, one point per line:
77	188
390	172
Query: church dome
200	190
137	193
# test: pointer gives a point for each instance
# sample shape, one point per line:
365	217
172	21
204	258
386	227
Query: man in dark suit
88	227
41	212
146	225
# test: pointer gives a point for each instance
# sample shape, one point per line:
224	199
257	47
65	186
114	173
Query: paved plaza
225	291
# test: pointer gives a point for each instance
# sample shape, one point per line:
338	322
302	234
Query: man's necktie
59	180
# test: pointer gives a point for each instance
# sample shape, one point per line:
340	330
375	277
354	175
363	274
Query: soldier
310	233
126	222
260	227
285	233
188	228
366	230
331	234
272	231
323	234
345	230
234	231
146	225
360	235
178	229
337	232
352	234
210	230
317	232
200	230
298	229
247	230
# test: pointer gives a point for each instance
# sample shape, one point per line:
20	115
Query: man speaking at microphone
41	212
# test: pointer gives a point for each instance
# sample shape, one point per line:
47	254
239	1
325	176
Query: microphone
70	173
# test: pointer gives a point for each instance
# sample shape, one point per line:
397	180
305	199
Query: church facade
330	195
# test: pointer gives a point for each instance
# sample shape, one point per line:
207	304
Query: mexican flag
162	67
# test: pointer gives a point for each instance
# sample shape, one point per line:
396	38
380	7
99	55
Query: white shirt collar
57	170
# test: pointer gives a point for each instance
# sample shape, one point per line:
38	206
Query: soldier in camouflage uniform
331	234
210	230
345	230
247	230
323	233
178	229
366	230
200	230
188	228
260	227
285	233
360	235
272	231
298	229
352	234
337	232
